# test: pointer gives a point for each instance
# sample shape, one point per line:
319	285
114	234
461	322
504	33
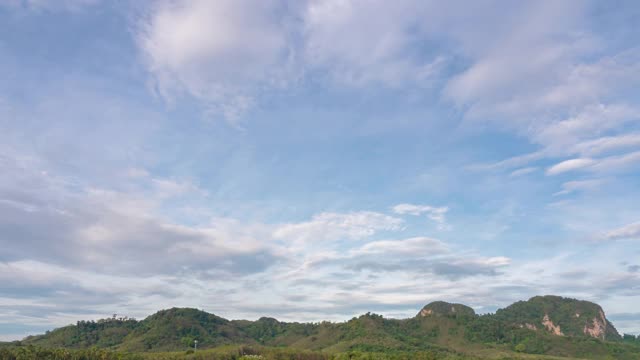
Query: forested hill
542	325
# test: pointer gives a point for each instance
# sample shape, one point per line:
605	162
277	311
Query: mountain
548	325
561	316
179	327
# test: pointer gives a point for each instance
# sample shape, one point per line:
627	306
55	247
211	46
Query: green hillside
567	316
541	326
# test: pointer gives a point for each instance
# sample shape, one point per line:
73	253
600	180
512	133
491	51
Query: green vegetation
630	339
31	352
524	330
572	316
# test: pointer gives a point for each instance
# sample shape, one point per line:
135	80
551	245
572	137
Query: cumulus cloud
93	228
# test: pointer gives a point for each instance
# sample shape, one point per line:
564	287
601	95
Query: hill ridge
540	325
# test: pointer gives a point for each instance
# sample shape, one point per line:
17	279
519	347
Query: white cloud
363	43
511	67
437	214
523	171
551	81
468	266
515	161
416	245
592	121
617	163
610	164
221	52
631	231
579	185
570	165
587	81
418	255
64	221
227	53
338	226
607	143
569	86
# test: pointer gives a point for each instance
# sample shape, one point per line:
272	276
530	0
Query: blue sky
313	160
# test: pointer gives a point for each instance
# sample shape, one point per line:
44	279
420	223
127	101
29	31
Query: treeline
103	333
631	339
31	352
225	353
489	329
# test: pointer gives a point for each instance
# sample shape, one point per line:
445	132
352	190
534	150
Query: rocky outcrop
598	327
426	312
528	326
555	329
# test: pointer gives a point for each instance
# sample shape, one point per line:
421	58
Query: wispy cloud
338	33
436	214
631	231
605	165
335	226
220	52
570	165
523	171
608	143
579	185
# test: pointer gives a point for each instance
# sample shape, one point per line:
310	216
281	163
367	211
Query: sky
316	159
